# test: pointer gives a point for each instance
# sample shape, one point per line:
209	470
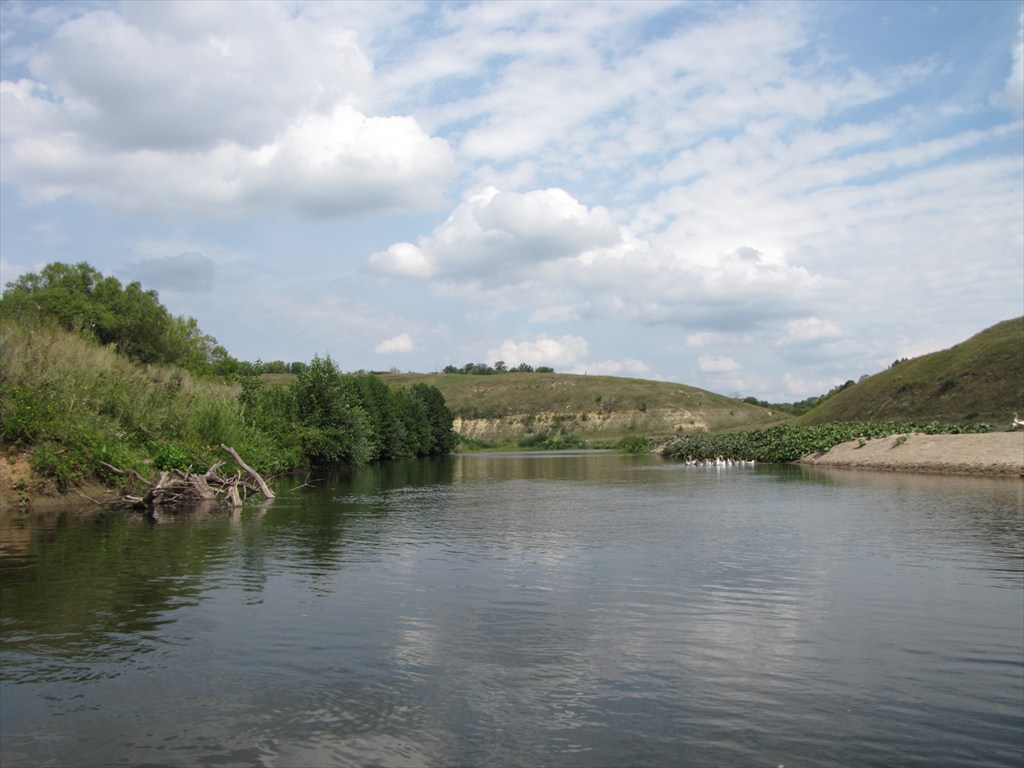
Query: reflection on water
521	609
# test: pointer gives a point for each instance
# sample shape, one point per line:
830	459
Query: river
560	609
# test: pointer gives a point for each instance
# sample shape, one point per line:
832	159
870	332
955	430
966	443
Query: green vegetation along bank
72	404
94	373
787	443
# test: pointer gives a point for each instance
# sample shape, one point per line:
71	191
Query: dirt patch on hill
993	453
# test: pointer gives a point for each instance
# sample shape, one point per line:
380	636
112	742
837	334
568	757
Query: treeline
258	368
93	373
328	417
483	369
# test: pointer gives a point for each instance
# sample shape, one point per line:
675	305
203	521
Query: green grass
76	404
980	380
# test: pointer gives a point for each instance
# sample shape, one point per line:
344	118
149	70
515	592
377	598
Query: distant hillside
978	380
507	407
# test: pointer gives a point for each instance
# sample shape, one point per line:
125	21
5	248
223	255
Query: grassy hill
509	407
978	380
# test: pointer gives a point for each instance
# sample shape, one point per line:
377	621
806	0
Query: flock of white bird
720	462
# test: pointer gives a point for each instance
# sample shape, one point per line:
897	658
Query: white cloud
401	343
402	260
560	353
211	109
766	183
494	233
717	365
188	76
346	162
712	291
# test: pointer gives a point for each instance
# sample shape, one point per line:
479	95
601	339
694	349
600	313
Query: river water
561	609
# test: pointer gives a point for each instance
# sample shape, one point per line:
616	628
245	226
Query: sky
759	199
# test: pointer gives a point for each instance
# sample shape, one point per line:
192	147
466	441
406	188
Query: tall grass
80	404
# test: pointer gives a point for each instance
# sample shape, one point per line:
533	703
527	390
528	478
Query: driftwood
177	487
267	493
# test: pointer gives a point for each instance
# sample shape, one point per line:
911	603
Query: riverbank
992	453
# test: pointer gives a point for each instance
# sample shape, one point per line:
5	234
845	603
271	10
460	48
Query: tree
442	436
79	298
333	428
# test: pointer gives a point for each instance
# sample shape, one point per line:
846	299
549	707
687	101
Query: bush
170	456
633	445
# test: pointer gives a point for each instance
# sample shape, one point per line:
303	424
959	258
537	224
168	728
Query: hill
509	407
978	380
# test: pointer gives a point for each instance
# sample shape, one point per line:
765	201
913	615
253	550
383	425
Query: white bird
1017	422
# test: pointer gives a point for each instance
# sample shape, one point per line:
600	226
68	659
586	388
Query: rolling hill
508	407
978	380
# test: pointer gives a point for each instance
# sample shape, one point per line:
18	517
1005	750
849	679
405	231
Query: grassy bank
76	403
978	380
75	406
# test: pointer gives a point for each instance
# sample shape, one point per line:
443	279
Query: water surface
563	609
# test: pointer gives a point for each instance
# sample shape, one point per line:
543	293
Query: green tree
442	436
333	427
79	298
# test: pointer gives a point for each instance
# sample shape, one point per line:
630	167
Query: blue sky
759	199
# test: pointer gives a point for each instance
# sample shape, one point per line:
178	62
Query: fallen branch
179	487
267	493
129	473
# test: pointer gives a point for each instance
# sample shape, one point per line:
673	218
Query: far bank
991	453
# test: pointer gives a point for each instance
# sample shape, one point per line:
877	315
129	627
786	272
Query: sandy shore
993	453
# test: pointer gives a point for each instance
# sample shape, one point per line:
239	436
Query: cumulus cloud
494	233
401	343
728	291
200	108
402	260
560	353
344	162
747	182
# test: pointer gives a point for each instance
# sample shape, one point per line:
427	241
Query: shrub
633	444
